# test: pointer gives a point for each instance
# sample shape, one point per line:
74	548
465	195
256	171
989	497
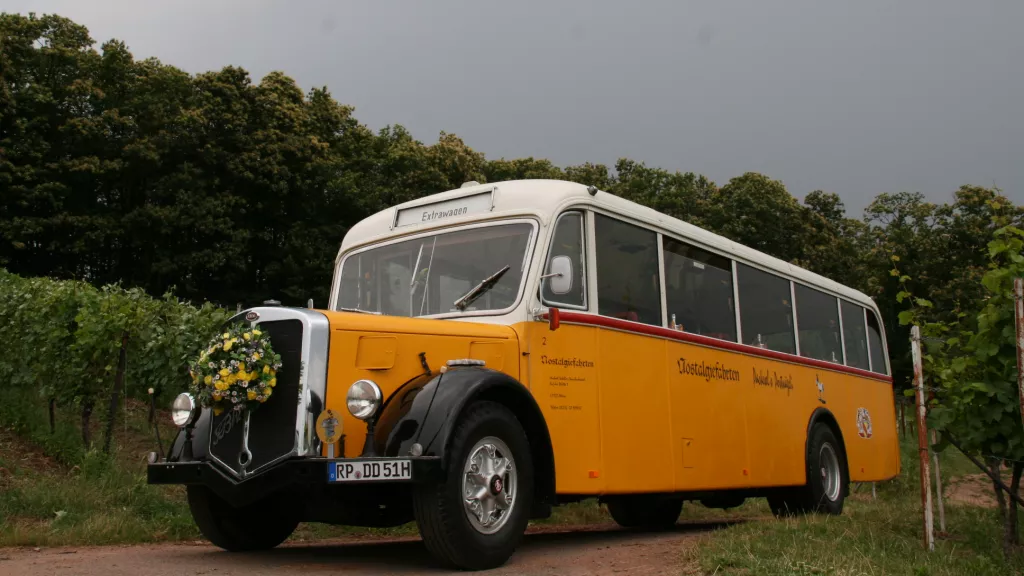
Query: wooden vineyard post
938	488
1018	313
922	440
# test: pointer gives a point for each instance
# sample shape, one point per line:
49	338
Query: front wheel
476	516
260	525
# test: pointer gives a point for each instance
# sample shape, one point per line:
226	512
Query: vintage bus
496	350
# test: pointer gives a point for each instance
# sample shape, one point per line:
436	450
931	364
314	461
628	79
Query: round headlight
364	399
183	409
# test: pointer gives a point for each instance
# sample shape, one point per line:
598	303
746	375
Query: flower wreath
237	371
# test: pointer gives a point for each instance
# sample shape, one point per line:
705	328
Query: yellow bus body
629	408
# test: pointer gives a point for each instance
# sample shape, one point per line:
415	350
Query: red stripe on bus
640	328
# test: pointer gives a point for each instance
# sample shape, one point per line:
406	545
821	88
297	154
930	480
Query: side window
698	291
766	313
567	243
628	286
854	335
817	317
875	344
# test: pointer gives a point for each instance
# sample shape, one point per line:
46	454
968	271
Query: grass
882	536
52	491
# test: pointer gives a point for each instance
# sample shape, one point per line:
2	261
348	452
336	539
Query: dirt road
597	550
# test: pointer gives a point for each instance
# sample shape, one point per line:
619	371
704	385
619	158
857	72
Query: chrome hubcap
489	485
828	462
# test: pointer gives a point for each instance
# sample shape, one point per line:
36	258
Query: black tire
641	511
440	513
820	494
260	525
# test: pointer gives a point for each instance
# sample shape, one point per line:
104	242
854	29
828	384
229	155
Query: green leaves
62	338
974	369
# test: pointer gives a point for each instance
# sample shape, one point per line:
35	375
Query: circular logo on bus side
863	423
252	316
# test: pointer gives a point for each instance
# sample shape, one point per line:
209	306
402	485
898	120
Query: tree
757	211
941	250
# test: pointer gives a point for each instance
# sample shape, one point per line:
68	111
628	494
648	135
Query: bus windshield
428	275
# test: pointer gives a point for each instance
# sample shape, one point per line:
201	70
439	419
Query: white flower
245	384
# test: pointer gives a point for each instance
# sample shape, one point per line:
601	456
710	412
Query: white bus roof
544	199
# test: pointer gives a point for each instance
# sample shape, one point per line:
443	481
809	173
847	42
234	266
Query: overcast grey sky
855	97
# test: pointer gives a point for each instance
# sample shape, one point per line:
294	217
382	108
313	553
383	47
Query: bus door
563	364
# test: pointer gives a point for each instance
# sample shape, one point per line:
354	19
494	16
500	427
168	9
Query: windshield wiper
357	310
478	290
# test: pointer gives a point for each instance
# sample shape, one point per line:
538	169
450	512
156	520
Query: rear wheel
475	518
827	479
260	525
642	511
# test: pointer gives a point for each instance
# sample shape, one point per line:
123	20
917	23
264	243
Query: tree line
226	190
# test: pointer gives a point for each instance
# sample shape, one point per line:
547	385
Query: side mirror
559	275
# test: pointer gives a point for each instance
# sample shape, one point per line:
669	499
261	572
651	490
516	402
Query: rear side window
875	344
854	336
568	242
628	286
698	291
817	319
766	312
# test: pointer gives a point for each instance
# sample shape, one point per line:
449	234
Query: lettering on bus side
564	391
708	372
773	379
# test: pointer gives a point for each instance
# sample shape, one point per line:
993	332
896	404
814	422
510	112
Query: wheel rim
828	462
489	485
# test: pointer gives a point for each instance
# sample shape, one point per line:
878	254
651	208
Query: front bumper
296	472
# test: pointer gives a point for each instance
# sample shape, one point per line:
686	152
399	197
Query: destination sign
454	208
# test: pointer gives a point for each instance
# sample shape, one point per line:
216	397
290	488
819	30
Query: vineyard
74	347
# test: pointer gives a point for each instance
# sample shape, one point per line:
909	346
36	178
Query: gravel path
592	550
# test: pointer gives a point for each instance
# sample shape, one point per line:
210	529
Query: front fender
425	410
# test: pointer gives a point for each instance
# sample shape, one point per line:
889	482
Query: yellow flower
266	369
247	336
257	333
224	372
226	335
256	355
228	344
216	397
230	379
208	380
273	382
251	394
267	393
221	385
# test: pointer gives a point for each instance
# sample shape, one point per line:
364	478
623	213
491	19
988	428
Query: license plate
369	471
